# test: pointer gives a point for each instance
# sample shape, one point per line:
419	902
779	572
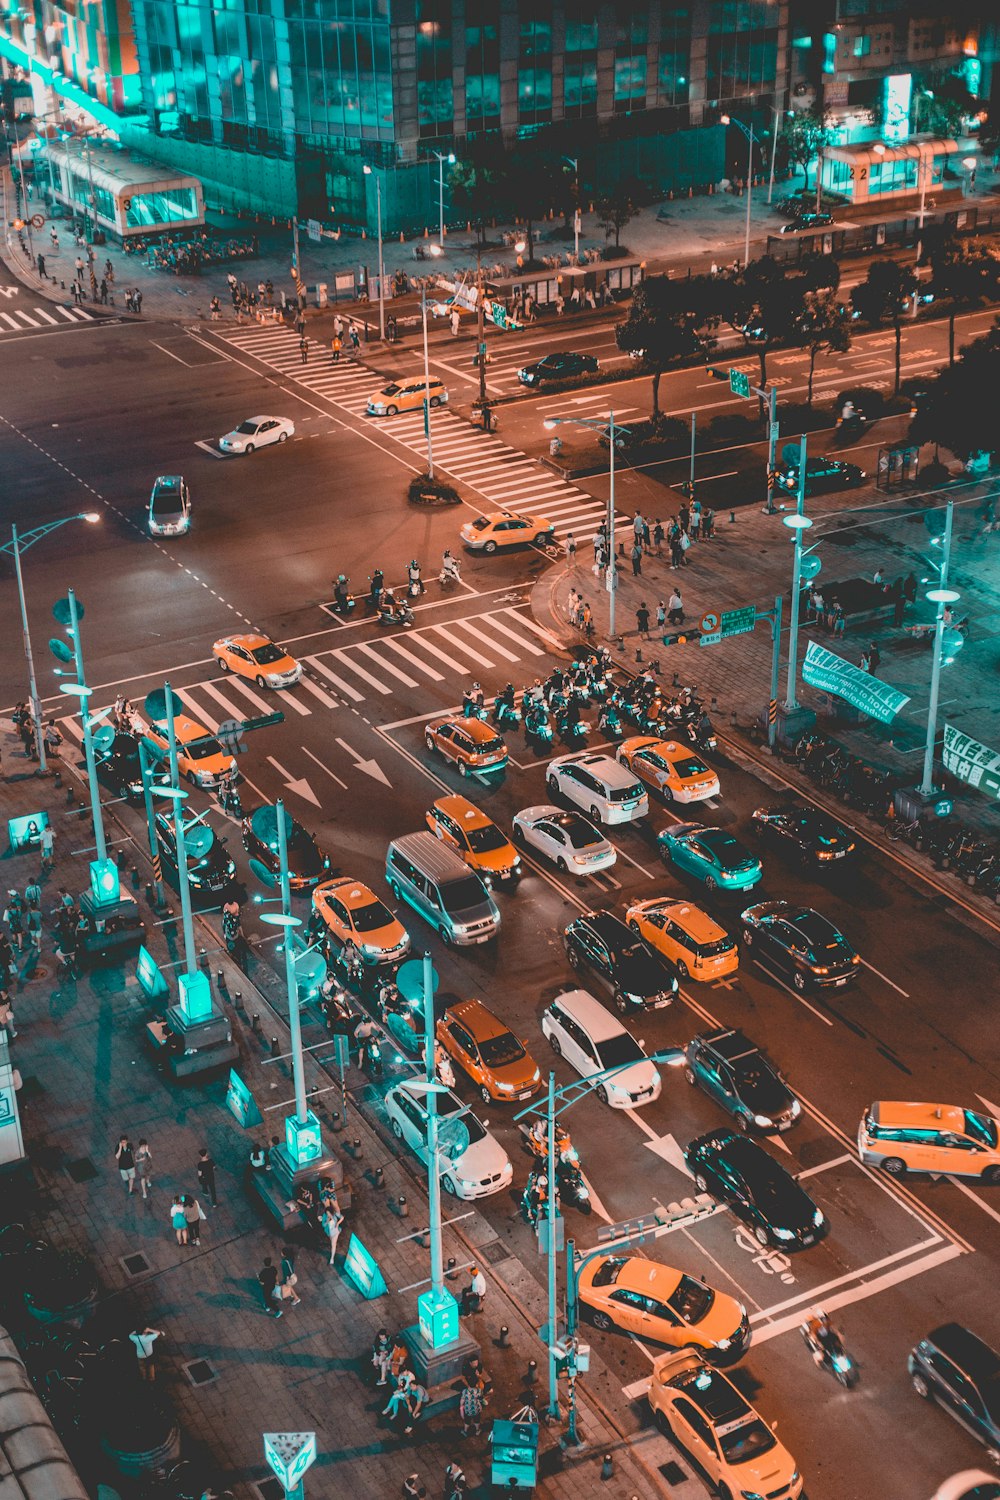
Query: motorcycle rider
443	1070
416	583
473	701
824	1340
536	1196
503	706
229	797
539	1139
377	581
341	595
703	726
449	568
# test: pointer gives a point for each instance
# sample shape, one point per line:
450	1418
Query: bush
424	490
57	1284
798	417
935	474
733	428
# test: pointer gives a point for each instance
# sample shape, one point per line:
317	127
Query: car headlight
796	1476
796	1109
368	948
751	1495
517	862
536	1076
505	1088
631	998
763	1121
204	778
273	679
855	959
723	1343
783	1234
818	1218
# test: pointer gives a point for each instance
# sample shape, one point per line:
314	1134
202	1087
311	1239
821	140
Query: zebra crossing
503	641
18	320
503	476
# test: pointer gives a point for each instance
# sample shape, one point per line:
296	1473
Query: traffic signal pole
772	446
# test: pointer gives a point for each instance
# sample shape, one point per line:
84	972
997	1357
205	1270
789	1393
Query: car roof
695	922
904	1115
467	813
608	926
477	729
639	1274
729	1044
608	770
266	418
710	1390
595	1018
352	893
479	1019
250	640
967	1350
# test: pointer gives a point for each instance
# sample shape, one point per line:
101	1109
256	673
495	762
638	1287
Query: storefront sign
824	669
972	762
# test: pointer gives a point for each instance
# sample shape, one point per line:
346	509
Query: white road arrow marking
994	1109
666	1147
370	767
292	784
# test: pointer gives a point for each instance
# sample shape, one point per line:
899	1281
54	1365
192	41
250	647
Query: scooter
537	727
343	601
570	1185
572	732
504	715
701	740
609	723
400	614
833	1357
371	1056
449	574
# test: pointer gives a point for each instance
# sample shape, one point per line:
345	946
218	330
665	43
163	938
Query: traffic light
682	638
717	374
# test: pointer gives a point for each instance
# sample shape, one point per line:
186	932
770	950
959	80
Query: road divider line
816	1293
973	1197
326	768
885	979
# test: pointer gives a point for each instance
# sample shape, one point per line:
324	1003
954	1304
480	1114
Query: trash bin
514	1456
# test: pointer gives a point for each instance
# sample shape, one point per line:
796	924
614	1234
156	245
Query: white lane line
460	646
317	692
338	682
967	1191
324	768
386	666
648	873
233	710
426	645
535	629
415	661
352	666
198	713
885	979
824	1166
493	645
789	991
815	1294
524	644
248	692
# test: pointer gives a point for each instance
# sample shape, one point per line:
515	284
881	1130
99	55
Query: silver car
257	432
598	784
565	838
473	1162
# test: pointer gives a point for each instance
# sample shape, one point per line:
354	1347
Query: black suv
804	221
210	867
822	475
636	976
808	835
963	1374
559	366
757	1189
118	766
737	1075
307	863
801	945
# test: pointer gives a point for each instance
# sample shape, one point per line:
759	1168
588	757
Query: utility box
514	1455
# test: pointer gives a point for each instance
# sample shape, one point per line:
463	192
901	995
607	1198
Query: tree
884	296
959	409
616	210
763	303
480	183
536	182
669	321
802	138
965	278
823	327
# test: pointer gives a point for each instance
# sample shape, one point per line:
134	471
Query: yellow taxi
503	529
730	1441
485	1048
668	768
200	757
471	744
902	1138
656	1302
257	657
407	395
688	936
459	822
354	914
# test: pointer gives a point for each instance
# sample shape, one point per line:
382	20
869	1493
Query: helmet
414	563
341	577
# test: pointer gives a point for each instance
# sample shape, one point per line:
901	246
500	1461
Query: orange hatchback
471	744
488	1051
457	821
686	935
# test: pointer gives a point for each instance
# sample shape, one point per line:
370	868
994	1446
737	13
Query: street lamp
574	162
614	434
370	172
941	596
517	247
427	385
448	157
751	141
17	545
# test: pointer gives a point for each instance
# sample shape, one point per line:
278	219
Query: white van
591	1039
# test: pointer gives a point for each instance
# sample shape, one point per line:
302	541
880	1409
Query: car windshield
500	1050
689	765
484	840
620	1050
692	1299
391	390
486	747
202	749
747	1441
579	832
247	427
370	917
480	524
264	655
981	1128
608	1271
460	895
463	1130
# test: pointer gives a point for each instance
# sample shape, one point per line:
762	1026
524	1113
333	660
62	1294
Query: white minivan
591	1039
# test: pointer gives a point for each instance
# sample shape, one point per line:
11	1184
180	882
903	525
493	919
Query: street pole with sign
942	597
427	386
798	523
75	612
615	435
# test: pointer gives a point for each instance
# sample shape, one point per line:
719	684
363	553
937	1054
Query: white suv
591	1039
473	1162
598	784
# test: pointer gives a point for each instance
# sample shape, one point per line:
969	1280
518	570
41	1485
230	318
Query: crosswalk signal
716	374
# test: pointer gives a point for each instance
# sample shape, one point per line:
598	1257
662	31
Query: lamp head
89	515
551	422
725	120
795	522
520	245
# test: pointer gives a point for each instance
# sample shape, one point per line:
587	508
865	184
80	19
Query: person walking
661	616
267	1278
338	327
144	1341
52	738
336	345
676	550
137	299
638	522
193	1216
684	517
178	1220
6	1013
303	351
355	341
571	549
144	1167
455	1482
125	1157
45	845
413	1489
572	605
694	528
206	1175
874	657
658	535
456	322
642	620
33	895
636	560
289	1279
675	608
587	619
470	1408
331	1220
391	328
104	292
707	523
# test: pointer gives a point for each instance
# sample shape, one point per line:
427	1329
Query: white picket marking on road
248	692
420	666
462	647
232	710
338	682
317	692
386	666
449	661
11	320
65	312
528	646
488	641
31	322
348	661
538	630
196	712
45	316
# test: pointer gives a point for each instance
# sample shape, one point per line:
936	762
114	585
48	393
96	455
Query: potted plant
59	1286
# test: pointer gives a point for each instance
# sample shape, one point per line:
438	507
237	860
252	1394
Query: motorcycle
230	930
831	1356
449	574
534	1199
371	1056
505	715
377	582
343	601
701	739
570	1185
537	727
572	732
396	614
473	706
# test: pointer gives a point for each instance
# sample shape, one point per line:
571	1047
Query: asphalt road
92	417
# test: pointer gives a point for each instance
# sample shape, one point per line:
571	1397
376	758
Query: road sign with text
738	621
739	382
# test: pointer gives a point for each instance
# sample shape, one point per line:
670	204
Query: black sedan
822	476
804	221
810	836
562	365
307	864
742	1079
118	767
800	944
636	976
211	868
760	1192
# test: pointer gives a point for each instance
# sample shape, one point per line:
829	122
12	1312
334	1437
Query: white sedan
257	432
565	838
474	1164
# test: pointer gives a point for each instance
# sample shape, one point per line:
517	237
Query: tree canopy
884	296
959	409
802	137
669	321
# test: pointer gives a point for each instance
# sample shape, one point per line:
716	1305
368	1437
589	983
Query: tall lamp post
748	131
798	523
615	434
442	159
574	162
941	597
370	172
18	544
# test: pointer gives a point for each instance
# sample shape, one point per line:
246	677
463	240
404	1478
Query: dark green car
711	855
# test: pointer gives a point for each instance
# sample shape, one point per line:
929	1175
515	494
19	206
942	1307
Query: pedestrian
355	340
694	529
335	348
144	1167
397	1361
898	606
54	238
456	322
206	1175
52	738
413	1489
33	895
878	578
637	524
707	523
874	657
391	328
910	588
475	1292
658	535
382	1355
661	615
41	264
289	1278
304	351
33	922
571	549
839	624
137	299
676	550
470	1409
338	327
647	545
104	292
78	266
6	1013
675	608
109	272
636	560
125	1157
300	324
865	662
144	1339
587	620
267	1278
178	1220
215	309
598	541
128	300
642	620
331	1220
455	1482
6	960
572	605
684	518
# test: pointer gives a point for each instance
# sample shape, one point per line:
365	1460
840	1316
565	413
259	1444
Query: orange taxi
488	1051
200	757
257	657
457	821
504	529
673	771
688	936
656	1302
471	744
354	914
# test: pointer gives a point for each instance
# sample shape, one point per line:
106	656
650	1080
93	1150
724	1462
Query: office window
435	105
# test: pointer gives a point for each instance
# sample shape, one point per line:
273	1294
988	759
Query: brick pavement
88	1079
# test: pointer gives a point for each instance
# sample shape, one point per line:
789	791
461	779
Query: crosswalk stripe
12	321
338	682
248	692
73	727
529	624
387	666
46	317
317	692
415	661
232	710
461	646
31	322
487	641
65	313
528	646
449	661
347	661
197	713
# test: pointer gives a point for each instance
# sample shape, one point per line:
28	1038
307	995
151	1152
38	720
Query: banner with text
824	669
972	761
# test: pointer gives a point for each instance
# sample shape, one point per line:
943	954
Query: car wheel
621	1004
666	793
282	437
260	681
449	1186
429	742
445	936
396	1129
554	1044
743	1123
249	448
552	786
595	814
394	888
435	401
518	834
760	1234
573	958
895	1166
490	547
562	864
689	1075
602	1321
602	1094
663	850
701	1182
485	1095
725	1493
748	937
463	769
683	969
711	884
222	664
992	1175
391	411
799	981
920	1385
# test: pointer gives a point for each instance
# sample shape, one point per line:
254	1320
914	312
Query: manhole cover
269	1489
135	1264
495	1252
82	1170
673	1473
200	1372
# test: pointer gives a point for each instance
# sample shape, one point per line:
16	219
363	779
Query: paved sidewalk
88	1078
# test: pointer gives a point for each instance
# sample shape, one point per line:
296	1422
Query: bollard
504	1336
220	979
336	1120
275	1048
135	877
255	1025
354	1147
57	779
532	1374
149	892
70	796
202	959
638	653
402	1207
120	857
732	518
654	665
608	1467
238	1000
451	1273
378	1177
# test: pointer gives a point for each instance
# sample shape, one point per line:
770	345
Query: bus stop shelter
117	190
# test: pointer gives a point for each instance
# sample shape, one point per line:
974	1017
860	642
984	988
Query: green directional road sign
738	621
739	383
